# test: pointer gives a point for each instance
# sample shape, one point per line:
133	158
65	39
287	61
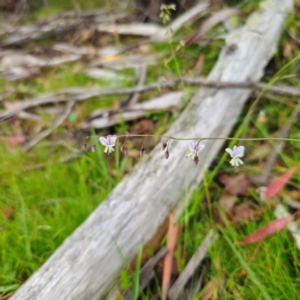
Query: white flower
236	153
109	143
195	147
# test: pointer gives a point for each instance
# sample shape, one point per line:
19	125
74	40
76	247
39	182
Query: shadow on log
88	263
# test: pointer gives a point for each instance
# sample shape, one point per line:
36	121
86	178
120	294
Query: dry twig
147	272
48	131
79	94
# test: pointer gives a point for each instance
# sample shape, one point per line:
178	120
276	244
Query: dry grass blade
173	232
194	262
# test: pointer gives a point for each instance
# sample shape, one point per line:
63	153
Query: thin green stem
236	138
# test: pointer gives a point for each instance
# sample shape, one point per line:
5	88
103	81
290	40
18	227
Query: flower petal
240	151
192	146
201	147
229	151
103	141
113	139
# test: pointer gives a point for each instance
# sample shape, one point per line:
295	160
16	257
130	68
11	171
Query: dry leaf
236	185
247	211
227	201
224	178
173	233
266	231
278	184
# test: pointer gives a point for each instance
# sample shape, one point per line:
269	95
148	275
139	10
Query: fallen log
88	263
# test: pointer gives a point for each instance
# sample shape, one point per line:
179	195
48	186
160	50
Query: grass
40	208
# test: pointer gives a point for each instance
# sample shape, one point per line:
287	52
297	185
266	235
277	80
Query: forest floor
49	184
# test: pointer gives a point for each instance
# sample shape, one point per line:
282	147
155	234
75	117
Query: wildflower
167	154
236	152
195	147
196	160
109	143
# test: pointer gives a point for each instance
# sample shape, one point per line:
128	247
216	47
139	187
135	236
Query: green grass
48	204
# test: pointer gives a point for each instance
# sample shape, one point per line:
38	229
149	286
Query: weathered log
88	263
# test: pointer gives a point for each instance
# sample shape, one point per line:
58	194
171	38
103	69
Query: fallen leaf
227	201
173	233
236	185
278	184
287	49
266	231
144	126
247	211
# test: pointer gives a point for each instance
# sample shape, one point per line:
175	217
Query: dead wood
88	263
108	118
153	31
58	24
48	131
210	22
80	94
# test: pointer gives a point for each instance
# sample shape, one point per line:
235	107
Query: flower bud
164	145
84	146
93	148
142	150
167	154
196	160
125	150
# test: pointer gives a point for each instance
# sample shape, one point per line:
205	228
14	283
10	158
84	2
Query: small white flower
195	147
236	152
109	143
